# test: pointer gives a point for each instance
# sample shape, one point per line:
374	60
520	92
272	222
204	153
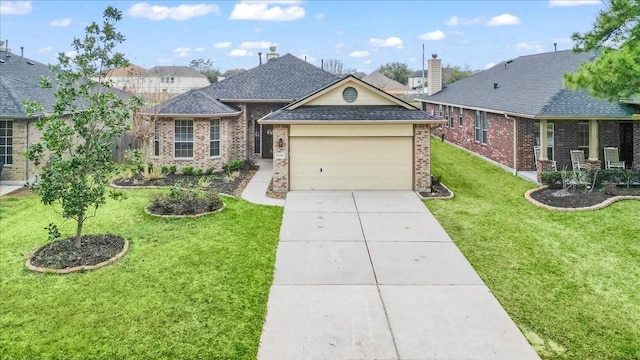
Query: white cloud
339	45
565	3
260	10
489	65
257	30
255	45
222	45
455	21
320	16
15	7
530	45
72	54
504	19
182	52
45	49
368	62
60	23
388	42
433	35
199	49
359	54
181	12
239	52
307	58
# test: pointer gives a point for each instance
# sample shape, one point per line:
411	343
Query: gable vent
350	94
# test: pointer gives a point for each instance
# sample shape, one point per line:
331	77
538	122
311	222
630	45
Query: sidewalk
5	189
373	275
257	187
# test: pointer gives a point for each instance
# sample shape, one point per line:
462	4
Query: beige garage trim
351	162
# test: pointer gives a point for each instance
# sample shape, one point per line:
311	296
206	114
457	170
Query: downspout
515	144
26	159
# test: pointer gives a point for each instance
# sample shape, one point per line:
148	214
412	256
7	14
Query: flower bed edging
448	197
118	256
146	209
609	201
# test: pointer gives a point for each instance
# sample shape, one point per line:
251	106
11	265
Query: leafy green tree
397	71
615	73
233	72
205	67
454	73
77	135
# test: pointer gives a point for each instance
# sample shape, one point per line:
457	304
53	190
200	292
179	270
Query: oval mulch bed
149	210
63	256
561	198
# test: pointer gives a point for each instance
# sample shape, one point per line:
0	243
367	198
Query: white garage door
351	162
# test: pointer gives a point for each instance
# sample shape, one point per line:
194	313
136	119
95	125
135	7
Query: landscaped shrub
234	165
187	170
164	170
553	179
173	169
209	171
185	200
198	172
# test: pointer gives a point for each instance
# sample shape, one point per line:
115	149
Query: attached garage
351	157
351	136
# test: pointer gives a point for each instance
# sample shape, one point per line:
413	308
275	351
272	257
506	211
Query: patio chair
536	154
577	160
611	158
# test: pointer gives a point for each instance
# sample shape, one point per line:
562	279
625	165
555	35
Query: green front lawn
187	288
570	281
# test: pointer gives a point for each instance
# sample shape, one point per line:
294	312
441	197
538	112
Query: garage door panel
351	163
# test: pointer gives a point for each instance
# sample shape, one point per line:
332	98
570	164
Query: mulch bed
437	191
581	198
218	181
64	254
274	195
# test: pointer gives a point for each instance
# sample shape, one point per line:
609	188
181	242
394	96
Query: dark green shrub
234	165
553	179
436	179
209	171
173	169
164	169
185	200
198	172
187	170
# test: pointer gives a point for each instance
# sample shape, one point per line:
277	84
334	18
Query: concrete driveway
372	275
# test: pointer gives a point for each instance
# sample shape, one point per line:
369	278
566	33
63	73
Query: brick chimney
434	75
272	55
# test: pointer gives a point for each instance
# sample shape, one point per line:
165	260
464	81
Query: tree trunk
79	232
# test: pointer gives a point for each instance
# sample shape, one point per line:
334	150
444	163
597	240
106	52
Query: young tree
397	71
615	73
77	135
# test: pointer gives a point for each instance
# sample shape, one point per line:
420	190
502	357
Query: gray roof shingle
174	71
349	112
531	85
195	103
382	82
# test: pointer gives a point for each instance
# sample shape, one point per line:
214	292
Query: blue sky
362	34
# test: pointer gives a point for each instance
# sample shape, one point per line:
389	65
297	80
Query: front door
626	142
267	141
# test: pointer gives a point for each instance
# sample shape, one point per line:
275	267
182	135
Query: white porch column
543	140
593	140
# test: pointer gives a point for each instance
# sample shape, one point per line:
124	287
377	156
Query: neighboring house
350	135
128	78
213	125
385	84
503	112
417	80
19	81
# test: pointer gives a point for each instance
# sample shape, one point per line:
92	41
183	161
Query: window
481	127
162	80
440	111
256	137
452	118
461	117
183	138
349	94
485	127
214	138
156	139
477	126
550	139
583	135
6	141
446	115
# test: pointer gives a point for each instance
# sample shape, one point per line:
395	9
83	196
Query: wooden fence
125	142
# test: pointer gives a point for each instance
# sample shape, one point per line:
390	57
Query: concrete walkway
9	188
257	187
372	275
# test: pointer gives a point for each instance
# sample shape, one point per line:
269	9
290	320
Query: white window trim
12	142
174	138
588	135
461	118
219	138
156	139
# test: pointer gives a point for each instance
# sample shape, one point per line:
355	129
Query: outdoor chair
536	154
611	158
577	160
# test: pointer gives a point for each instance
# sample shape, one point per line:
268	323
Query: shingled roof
193	103
20	80
380	81
285	79
531	86
349	113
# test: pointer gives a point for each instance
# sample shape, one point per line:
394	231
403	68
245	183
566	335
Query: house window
460	118
485	127
256	137
440	111
172	80
481	126
550	139
214	138
477	126
583	135
183	138
6	142
446	116
452	118
156	139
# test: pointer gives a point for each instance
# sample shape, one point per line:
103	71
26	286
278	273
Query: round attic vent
350	94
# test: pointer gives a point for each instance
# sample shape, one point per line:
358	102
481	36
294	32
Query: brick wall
17	172
422	157
256	111
281	166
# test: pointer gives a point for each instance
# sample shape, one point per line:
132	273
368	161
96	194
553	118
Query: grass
570	281
187	288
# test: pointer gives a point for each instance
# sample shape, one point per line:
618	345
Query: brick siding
281	166
422	157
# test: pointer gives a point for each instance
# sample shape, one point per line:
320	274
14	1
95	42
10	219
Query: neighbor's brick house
499	113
